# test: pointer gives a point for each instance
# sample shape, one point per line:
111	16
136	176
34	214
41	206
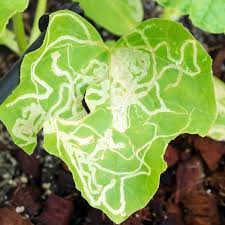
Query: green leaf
217	132
8	8
151	86
117	16
182	5
71	44
7	38
206	14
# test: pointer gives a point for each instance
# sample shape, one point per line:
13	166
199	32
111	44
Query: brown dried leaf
28	197
217	183
174	214
189	177
173	208
171	156
28	164
210	150
57	211
201	209
10	217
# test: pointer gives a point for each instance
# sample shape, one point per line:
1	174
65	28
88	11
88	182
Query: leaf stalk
19	30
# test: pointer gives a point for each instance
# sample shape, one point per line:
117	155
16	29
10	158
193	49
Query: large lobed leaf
209	15
153	85
217	132
54	78
117	16
8	8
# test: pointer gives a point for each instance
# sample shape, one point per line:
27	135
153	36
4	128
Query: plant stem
40	10
18	27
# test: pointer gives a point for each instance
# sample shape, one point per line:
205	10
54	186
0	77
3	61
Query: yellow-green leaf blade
54	78
217	131
206	14
156	90
117	16
209	15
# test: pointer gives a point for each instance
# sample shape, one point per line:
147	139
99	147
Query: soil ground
39	189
